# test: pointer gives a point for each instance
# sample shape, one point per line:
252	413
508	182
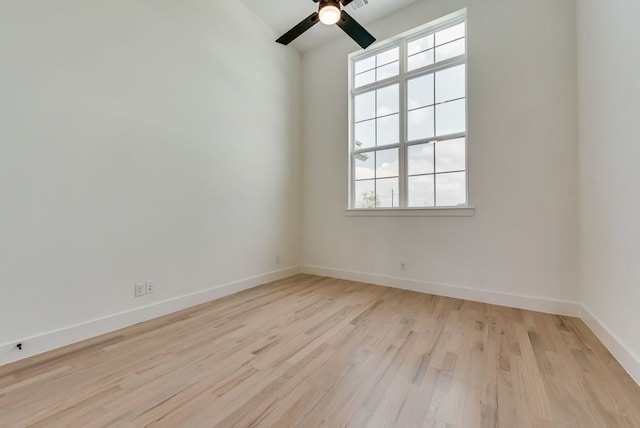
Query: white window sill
411	212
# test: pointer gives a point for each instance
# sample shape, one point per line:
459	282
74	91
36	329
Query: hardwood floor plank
309	351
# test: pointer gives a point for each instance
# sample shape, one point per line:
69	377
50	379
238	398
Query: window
408	119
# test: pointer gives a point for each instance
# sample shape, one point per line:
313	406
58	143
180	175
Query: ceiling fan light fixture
329	12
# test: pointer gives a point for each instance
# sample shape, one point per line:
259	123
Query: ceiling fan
330	12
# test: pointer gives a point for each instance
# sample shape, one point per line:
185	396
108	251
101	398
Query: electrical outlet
150	287
277	260
140	289
403	266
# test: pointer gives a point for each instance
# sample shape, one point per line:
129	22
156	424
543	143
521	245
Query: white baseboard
558	307
627	358
76	333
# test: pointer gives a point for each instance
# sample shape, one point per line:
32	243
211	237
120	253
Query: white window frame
402	79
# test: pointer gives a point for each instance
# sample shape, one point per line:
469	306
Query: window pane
451	189
388	193
450	117
364	166
365	64
365	106
388	56
388	100
389	130
389	70
365	78
387	163
365	194
450	155
365	134
406	124
420	45
420	124
421	191
420	92
450	84
420	60
420	159
450	50
449	34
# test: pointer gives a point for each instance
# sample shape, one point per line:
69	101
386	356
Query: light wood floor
310	351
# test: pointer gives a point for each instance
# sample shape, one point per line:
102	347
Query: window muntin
377	179
377	117
378	67
436	46
409	126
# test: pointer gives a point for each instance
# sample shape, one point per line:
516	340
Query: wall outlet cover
140	289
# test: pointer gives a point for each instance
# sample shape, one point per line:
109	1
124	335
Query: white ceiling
282	15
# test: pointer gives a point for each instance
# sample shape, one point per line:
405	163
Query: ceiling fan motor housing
324	3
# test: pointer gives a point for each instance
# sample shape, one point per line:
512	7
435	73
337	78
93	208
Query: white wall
160	140
609	90
140	140
523	238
